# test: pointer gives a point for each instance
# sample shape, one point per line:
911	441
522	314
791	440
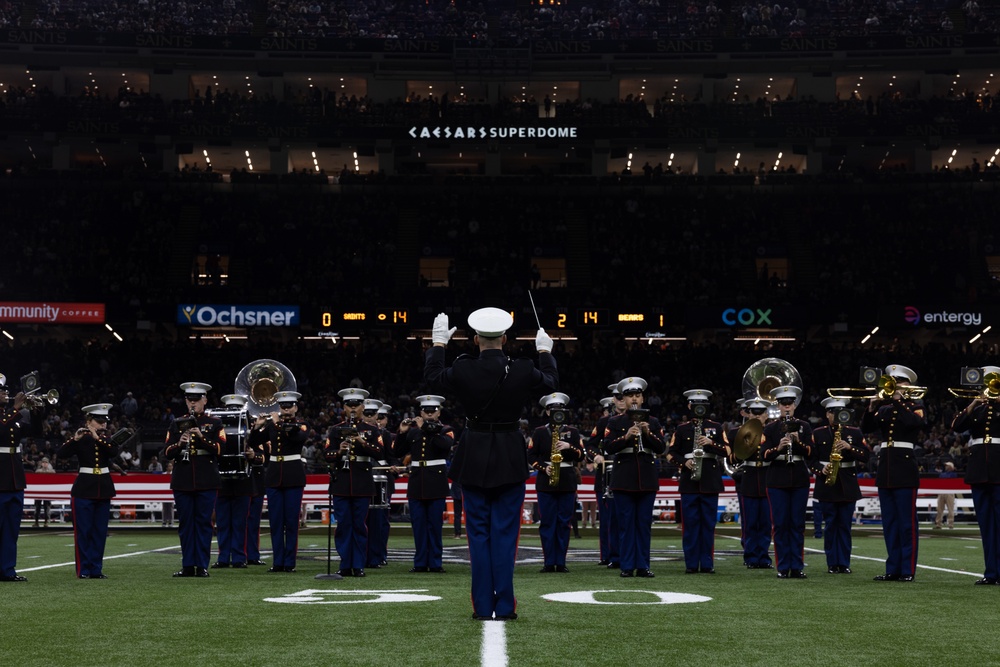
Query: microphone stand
332	576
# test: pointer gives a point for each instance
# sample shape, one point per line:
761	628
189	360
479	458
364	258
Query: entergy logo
911	315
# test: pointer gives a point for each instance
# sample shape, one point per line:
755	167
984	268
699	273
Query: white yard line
73	563
494	649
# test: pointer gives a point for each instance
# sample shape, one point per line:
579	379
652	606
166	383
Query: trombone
884	388
989	391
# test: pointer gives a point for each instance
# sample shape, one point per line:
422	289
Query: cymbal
747	440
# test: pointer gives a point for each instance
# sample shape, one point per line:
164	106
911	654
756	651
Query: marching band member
255	511
981	418
695	448
233	504
491	461
350	448
755	520
607	534
634	440
898	419
428	442
556	502
838	497
376	413
279	438
12	480
787	444
92	490
195	450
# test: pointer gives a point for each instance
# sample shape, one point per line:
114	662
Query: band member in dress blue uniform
428	442
233	504
491	460
981	418
350	448
92	490
279	439
695	448
787	445
898	419
755	520
608	532
12	480
378	518
255	510
634	440
195	451
837	498
556	502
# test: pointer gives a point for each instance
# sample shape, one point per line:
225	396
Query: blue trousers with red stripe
837	517
351	536
253	527
756	523
493	525
899	527
194	511
700	513
90	534
283	506
635	527
427	520
231	528
556	512
788	521
608	534
986	500
11	505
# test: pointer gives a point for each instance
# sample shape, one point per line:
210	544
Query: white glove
543	341
440	333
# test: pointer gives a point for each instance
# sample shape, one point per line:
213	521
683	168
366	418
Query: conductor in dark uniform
556	492
756	509
12	481
491	461
350	448
787	445
837	448
981	418
634	439
279	438
194	443
607	533
695	448
898	419
92	490
428	442
233	504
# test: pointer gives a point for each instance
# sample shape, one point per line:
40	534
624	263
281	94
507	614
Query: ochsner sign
26	312
914	316
237	316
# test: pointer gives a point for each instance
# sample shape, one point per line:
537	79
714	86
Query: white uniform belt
627	450
202	452
566	465
94	471
363	459
382	462
980	441
10	450
897	443
290	457
787	459
844	464
705	455
757	464
424	464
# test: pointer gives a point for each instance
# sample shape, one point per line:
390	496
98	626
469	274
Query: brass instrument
698	453
835	457
348	434
884	389
558	418
31	386
990	389
748	440
259	381
638	415
765	375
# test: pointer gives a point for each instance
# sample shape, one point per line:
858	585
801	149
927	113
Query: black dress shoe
87	576
13	577
784	574
906	577
200	572
843	569
240	566
796	574
98	576
358	572
218	566
347	572
562	568
419	569
289	568
547	568
625	574
765	566
507	617
255	562
987	581
710	570
691	570
185	572
276	568
477	617
886	577
614	566
833	569
438	570
373	566
605	562
645	574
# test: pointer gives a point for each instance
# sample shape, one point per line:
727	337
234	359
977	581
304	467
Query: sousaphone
259	381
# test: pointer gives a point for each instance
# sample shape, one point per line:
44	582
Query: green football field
142	616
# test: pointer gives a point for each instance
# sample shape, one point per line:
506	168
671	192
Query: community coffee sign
28	312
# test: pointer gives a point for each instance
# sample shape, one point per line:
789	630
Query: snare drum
380	499
233	466
609	468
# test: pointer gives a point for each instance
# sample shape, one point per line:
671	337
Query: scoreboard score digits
387	317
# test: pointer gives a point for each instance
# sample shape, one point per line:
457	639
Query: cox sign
747	317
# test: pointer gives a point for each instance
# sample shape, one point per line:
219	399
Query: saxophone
835	458
698	453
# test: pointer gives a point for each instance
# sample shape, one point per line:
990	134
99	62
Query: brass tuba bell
765	375
260	380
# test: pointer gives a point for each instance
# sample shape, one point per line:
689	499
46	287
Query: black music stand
330	576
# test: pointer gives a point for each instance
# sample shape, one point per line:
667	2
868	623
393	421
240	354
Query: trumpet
35	400
883	390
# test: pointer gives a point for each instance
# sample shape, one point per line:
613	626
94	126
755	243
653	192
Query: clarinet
698	453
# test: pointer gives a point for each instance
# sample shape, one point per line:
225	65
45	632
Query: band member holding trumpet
350	448
92	490
634	439
695	448
787	445
898	416
755	520
377	521
194	443
554	451
12	480
981	418
603	468
233	504
837	448
428	443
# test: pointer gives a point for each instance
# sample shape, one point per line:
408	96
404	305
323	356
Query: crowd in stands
511	21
